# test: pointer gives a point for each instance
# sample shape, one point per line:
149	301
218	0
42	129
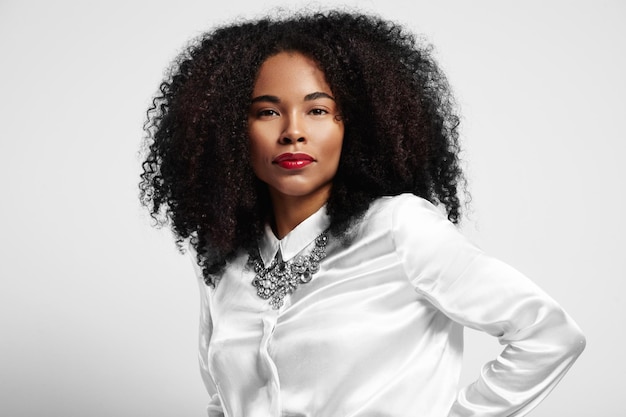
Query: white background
98	311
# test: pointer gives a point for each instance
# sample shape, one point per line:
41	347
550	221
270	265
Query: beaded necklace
281	278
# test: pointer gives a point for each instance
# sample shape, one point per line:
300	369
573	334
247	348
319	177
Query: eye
267	113
318	111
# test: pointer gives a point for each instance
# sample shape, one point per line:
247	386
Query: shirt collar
296	240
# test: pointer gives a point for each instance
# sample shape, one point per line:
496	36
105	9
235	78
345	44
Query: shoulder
406	220
413	224
430	248
406	210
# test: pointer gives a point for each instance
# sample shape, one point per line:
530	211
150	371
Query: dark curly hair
400	128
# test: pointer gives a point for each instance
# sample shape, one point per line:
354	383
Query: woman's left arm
483	293
541	340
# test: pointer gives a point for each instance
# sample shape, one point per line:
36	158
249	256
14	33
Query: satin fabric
379	329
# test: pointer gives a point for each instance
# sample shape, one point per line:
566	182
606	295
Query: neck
290	211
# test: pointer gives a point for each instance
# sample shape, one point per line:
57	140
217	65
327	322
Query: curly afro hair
400	128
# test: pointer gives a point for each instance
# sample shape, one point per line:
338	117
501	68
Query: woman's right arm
214	408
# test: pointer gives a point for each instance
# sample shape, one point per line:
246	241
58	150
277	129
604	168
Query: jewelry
281	278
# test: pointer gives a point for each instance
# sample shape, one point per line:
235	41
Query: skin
293	112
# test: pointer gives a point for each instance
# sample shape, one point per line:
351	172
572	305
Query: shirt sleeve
214	408
541	340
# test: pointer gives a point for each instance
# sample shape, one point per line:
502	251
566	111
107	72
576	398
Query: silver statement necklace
281	278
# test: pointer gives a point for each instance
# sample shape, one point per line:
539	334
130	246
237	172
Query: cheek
255	143
335	145
260	138
259	154
255	158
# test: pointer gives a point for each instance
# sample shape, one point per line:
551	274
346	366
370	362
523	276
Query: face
295	129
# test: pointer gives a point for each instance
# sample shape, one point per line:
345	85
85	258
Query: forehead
290	72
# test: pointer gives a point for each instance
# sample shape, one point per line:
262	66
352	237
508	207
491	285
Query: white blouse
378	331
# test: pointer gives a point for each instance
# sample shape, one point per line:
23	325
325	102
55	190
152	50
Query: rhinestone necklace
281	278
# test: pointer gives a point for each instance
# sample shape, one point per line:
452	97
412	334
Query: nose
293	131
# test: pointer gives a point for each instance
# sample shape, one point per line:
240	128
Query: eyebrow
308	97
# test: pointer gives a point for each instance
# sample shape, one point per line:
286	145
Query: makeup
293	160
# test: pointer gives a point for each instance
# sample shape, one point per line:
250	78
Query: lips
293	160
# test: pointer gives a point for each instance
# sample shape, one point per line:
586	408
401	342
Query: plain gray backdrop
98	311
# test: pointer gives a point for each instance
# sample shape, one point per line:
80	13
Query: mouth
293	160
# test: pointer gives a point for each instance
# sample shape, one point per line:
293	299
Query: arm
214	408
541	341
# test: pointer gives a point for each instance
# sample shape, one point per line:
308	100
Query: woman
303	158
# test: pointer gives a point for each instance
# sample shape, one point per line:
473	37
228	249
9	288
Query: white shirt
378	331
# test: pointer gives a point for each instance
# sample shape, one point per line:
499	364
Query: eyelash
271	112
267	113
318	112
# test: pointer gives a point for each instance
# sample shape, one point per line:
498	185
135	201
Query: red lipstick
293	160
